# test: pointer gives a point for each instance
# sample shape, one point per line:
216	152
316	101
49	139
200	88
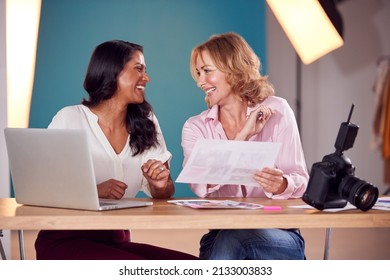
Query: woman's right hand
112	189
255	123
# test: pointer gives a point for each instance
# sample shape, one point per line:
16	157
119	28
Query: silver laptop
53	168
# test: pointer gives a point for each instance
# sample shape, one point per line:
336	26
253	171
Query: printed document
383	203
215	204
227	162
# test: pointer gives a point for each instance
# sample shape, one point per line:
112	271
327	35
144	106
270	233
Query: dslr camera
332	181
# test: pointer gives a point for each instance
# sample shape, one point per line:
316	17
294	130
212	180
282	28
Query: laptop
53	168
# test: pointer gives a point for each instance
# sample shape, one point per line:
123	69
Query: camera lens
358	192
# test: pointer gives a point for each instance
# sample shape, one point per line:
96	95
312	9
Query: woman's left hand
158	176
272	180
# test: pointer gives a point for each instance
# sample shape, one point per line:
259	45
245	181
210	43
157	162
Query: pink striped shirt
281	127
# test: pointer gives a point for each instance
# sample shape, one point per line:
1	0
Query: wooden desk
164	215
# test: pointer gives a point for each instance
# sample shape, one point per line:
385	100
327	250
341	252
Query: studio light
314	28
22	22
309	27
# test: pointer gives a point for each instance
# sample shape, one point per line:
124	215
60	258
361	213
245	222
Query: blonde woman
242	106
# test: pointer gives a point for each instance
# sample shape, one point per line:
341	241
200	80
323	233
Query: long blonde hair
233	56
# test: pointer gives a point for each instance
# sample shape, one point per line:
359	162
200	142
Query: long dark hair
107	61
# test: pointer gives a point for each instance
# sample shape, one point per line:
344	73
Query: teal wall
168	30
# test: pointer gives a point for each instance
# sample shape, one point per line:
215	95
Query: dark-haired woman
128	150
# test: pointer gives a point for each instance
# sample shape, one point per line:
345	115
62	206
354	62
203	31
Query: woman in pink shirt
242	106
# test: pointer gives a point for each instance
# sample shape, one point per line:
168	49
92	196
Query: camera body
332	181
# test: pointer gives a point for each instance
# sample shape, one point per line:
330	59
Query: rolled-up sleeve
291	157
192	130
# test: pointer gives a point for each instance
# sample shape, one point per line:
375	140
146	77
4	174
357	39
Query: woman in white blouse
128	150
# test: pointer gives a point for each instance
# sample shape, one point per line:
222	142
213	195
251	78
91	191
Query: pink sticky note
272	208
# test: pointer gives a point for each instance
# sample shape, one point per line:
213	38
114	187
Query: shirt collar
212	113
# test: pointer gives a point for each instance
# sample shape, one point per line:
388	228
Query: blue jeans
252	244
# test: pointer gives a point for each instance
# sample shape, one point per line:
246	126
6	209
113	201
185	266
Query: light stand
314	28
298	97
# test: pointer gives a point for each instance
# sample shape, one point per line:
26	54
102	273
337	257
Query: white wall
331	84
4	177
4	173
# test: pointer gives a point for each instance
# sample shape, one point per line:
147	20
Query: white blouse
107	163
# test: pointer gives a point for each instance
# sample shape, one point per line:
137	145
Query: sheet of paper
349	206
227	161
215	204
383	203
